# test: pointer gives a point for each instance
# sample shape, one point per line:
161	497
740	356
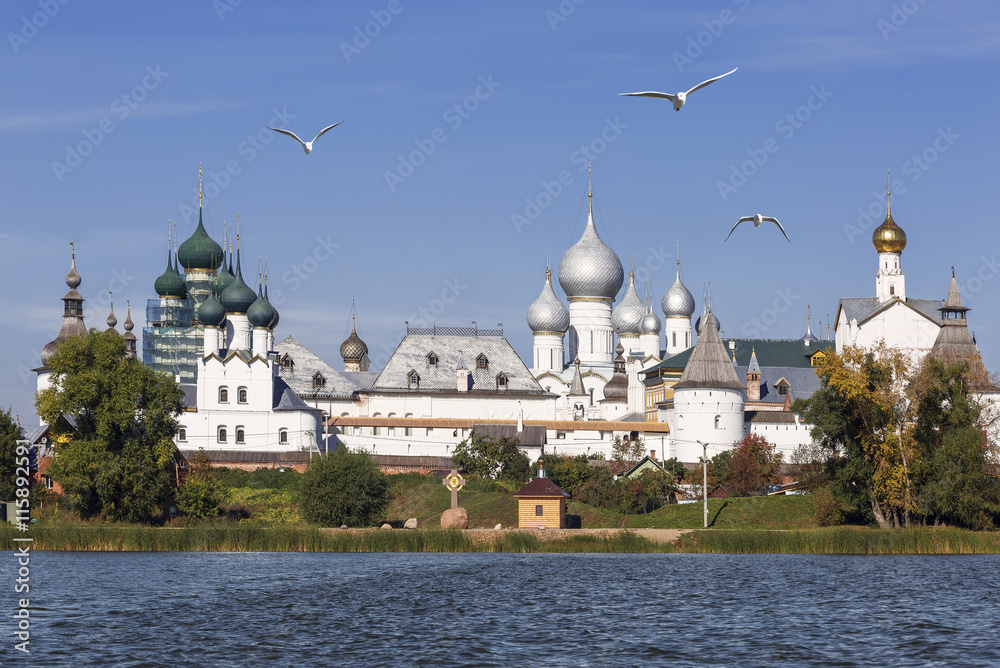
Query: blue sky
461	162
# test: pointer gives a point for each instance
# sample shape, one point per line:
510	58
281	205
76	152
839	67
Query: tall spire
112	320
809	336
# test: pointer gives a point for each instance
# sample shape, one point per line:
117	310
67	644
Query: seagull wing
772	219
290	134
326	129
741	220
705	83
652	93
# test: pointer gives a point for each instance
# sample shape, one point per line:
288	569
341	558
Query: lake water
278	609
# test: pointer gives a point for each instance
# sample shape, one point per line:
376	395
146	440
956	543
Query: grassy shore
244	538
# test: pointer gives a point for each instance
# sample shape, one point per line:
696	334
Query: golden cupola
889	237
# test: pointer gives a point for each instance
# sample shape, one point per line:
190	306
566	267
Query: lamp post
704	478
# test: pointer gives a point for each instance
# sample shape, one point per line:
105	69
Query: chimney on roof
462	377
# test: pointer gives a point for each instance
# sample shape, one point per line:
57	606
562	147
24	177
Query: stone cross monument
454	482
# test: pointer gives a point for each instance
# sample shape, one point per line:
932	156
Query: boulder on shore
411	523
455	518
386	526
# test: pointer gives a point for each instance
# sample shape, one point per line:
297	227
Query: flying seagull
757	220
678	99
307	146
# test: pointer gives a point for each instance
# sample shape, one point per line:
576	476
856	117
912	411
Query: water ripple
240	609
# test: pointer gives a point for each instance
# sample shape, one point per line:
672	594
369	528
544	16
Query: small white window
241	395
282	436
223	395
182	434
240	434
222	435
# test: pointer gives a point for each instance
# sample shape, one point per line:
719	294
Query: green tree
903	444
626	453
118	457
753	465
344	488
857	411
952	472
489	458
10	433
569	473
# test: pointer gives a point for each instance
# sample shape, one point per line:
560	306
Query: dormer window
501	381
482	362
432	359
318	380
782	387
413	379
286	361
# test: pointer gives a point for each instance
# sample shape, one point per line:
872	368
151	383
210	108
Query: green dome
212	312
274	320
200	251
260	313
225	278
239	296
170	283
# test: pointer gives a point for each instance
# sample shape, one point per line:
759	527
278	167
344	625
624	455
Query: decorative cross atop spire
199	185
888	193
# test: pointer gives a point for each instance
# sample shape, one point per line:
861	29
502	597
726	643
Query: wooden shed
541	503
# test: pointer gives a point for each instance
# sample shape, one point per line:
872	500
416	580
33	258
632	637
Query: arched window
223	395
674	334
241	395
591	396
182	434
283	436
718	422
222	434
240	434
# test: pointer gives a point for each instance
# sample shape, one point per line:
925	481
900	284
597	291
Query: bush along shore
243	538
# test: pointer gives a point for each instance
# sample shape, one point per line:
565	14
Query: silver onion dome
677	300
590	268
547	313
650	324
627	316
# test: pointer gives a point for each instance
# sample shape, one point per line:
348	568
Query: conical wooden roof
709	366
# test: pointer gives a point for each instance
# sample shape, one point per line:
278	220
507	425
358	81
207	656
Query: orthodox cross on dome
888	192
454	482
199	185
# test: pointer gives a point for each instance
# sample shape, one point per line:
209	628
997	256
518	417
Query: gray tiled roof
864	308
528	436
304	368
453	351
285	399
802	382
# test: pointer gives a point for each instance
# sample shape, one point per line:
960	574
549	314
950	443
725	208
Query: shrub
344	488
826	508
200	496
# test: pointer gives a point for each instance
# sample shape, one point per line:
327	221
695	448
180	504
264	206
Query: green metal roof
770	352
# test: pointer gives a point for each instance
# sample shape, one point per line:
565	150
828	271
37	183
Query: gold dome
889	237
